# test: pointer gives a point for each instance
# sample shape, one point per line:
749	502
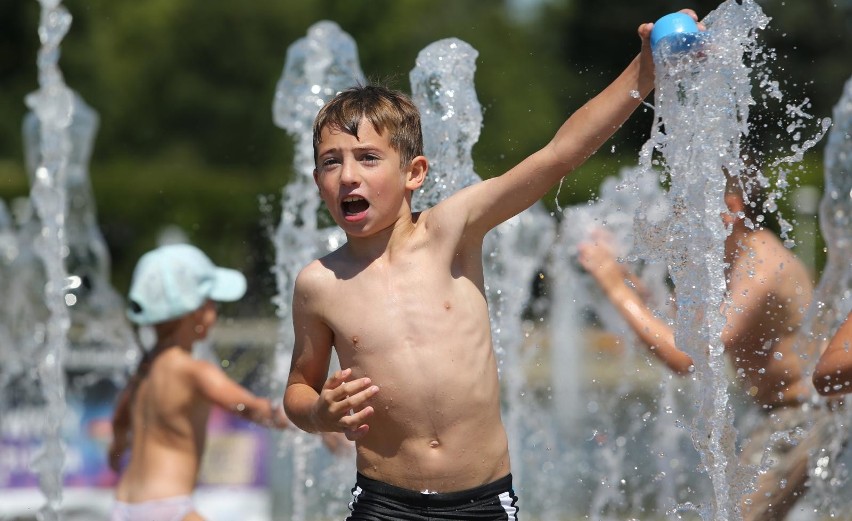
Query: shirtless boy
161	415
769	290
403	304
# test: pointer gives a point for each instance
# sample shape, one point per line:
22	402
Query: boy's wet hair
388	110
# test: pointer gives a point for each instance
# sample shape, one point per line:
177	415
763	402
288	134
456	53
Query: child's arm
833	372
220	390
599	261
495	200
487	204
313	402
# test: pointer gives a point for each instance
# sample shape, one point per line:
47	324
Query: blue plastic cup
677	28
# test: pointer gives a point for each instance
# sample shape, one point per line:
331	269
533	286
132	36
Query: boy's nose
348	175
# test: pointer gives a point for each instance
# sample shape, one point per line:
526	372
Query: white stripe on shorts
357	491
506	500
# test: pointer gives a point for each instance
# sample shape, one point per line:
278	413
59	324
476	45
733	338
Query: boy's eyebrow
360	147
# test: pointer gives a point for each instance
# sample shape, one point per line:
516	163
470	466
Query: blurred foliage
184	90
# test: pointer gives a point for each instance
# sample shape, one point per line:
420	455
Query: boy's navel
447	305
434	444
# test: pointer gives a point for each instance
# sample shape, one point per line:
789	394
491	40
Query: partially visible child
833	372
161	415
769	289
403	304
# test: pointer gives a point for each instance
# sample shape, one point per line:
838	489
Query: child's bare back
170	445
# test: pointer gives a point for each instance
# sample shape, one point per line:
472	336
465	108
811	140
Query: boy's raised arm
500	198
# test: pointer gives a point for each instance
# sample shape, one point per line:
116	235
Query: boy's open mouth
354	205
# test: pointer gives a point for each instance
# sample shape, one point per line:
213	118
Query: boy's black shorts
377	501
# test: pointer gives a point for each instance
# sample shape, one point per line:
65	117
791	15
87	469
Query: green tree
184	90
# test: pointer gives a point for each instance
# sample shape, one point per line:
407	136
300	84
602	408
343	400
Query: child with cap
161	415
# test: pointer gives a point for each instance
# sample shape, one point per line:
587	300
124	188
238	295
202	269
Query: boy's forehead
367	134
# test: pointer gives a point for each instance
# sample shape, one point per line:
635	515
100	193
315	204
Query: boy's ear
416	173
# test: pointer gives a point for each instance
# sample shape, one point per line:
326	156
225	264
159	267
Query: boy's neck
382	243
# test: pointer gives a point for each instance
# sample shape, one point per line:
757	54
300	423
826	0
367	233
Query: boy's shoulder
770	253
316	274
331	264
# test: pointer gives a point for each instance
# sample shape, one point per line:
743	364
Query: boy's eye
329	162
370	158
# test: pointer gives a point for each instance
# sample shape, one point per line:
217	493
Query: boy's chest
409	305
409	280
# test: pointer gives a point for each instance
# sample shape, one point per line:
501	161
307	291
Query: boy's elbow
287	401
681	365
295	412
676	361
823	388
684	370
288	407
826	385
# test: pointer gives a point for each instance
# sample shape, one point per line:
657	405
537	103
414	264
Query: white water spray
53	105
316	68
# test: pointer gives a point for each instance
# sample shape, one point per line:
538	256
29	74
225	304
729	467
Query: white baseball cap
173	280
